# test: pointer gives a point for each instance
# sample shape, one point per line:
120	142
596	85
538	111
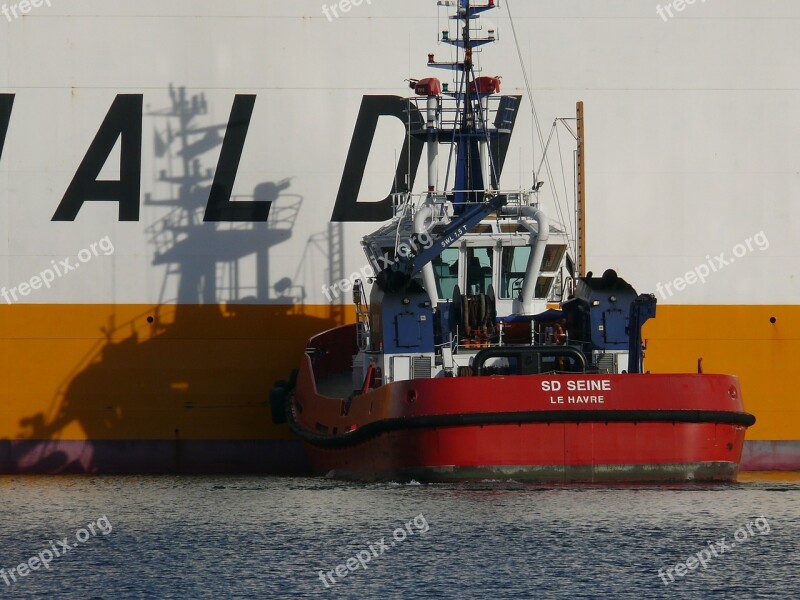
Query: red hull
615	452
549	428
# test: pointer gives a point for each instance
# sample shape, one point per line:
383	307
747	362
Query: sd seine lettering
580	385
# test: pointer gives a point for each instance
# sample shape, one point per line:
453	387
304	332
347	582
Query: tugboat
483	352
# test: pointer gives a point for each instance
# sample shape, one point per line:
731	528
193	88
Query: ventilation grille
421	367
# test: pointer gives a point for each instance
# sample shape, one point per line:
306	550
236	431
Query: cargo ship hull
126	457
185	393
91	385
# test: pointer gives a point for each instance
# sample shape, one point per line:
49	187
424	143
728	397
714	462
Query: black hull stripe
510	418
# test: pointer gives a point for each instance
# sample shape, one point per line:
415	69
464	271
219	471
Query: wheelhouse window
445	269
543	286
514	262
553	255
479	270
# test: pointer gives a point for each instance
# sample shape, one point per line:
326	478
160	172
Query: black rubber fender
278	397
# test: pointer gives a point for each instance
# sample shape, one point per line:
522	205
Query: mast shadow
182	386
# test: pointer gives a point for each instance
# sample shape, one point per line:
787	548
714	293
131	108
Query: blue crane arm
405	267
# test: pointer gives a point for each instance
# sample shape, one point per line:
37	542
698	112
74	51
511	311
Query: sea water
265	537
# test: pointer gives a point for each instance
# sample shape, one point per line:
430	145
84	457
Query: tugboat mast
581	195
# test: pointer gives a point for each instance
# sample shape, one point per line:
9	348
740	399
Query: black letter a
124	119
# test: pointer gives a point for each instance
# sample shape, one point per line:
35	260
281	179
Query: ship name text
577	399
577	385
